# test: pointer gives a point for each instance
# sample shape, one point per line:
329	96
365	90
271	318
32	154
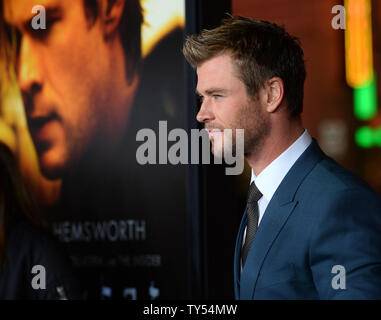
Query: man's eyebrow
211	91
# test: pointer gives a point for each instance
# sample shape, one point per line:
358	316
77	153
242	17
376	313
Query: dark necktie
252	214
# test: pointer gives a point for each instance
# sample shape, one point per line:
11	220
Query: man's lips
41	128
213	132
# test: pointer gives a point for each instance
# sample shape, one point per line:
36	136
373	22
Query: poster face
78	80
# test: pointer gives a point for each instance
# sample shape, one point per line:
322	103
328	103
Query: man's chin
51	167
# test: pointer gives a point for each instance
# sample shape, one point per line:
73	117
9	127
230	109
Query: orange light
358	43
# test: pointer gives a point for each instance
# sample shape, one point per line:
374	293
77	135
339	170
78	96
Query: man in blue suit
311	229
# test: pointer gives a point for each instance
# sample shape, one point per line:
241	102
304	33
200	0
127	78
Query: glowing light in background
367	137
365	100
360	74
358	43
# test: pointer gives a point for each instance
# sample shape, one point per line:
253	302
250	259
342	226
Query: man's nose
28	72
206	113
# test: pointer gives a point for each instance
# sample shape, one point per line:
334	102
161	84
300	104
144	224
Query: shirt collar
270	178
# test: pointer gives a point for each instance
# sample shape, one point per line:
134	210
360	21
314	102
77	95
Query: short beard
256	132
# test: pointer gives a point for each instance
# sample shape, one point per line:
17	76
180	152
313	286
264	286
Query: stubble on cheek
256	135
256	128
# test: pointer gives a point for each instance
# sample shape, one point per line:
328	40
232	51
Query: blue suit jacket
320	216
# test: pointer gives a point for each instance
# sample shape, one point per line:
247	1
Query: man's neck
278	141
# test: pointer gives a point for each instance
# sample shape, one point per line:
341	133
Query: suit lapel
271	224
278	211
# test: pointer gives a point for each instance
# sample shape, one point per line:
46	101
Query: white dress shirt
271	177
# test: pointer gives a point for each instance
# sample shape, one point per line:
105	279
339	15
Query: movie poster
78	80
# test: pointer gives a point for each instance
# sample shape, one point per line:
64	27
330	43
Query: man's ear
112	12
274	94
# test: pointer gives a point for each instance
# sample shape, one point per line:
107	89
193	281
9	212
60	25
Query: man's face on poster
66	79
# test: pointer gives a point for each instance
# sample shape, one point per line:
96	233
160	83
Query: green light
364	137
367	137
365	100
377	137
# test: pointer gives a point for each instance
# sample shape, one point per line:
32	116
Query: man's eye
200	98
217	96
41	34
50	22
